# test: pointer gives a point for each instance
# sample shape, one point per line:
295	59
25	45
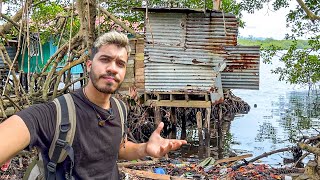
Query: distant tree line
269	43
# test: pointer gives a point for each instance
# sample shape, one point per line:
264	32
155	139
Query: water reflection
267	131
280	114
283	114
300	115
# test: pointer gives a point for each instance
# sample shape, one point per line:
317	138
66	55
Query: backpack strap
122	109
64	134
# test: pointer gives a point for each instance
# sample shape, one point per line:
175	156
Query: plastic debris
159	171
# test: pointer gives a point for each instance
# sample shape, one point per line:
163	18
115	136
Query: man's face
108	68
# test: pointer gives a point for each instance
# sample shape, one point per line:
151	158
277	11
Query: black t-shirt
96	148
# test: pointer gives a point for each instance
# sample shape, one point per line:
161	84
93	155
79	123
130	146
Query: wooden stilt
183	125
173	118
207	131
199	125
220	134
157	116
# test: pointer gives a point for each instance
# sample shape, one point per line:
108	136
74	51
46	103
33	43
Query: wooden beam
139	163
179	103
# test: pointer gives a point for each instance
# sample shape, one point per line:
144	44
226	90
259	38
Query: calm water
284	112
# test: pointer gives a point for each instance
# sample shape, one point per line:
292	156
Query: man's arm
14	137
130	150
156	146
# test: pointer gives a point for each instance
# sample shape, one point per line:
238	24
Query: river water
283	113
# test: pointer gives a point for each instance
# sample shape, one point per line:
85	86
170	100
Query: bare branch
116	20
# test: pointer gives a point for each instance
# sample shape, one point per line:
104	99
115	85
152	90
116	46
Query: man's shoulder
36	109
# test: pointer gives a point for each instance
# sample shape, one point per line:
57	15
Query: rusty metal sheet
242	71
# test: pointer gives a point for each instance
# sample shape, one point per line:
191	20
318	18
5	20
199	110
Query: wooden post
183	125
207	130
199	125
139	64
173	119
157	116
220	134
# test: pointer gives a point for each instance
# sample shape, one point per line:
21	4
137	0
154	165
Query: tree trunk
87	14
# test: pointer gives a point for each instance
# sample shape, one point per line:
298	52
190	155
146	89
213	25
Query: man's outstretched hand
158	146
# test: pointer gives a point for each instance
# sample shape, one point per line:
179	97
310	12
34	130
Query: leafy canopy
301	66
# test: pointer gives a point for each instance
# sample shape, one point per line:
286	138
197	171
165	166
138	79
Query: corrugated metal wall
182	49
169	64
242	71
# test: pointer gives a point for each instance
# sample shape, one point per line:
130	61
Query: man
96	147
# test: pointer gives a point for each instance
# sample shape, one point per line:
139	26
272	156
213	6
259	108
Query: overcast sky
266	23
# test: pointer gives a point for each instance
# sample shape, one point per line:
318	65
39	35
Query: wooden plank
139	79
139	163
139	56
232	159
139	64
180	92
139	85
145	174
139	72
179	103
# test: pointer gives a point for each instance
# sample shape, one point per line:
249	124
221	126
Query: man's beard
108	86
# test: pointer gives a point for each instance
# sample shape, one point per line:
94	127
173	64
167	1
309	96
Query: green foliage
123	9
269	43
302	60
